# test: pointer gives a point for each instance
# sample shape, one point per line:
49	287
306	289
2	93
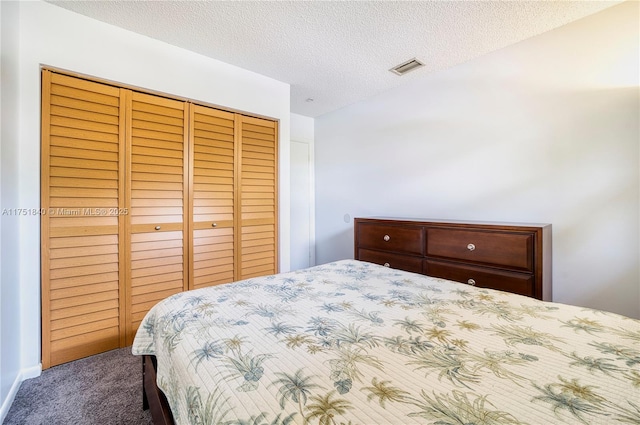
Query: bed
351	342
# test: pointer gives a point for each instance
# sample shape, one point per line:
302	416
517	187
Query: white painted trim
31	372
11	395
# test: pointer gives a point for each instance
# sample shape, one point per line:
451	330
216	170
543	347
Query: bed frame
153	398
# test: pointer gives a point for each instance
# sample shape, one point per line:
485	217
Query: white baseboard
31	372
6	403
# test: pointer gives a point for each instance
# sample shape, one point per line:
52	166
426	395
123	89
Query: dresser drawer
482	277
405	239
508	250
395	261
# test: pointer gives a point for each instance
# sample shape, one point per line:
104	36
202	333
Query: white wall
52	36
302	128
10	362
546	130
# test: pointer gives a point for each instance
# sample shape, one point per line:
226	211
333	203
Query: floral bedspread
355	343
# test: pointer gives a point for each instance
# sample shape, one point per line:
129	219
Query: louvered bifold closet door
158	184
82	222
213	197
258	194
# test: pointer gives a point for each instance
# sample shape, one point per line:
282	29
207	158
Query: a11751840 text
100	212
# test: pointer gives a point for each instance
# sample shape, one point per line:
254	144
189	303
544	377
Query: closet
144	196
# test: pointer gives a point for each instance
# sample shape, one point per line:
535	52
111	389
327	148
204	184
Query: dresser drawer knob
471	247
387	238
157	227
471	282
387	265
214	224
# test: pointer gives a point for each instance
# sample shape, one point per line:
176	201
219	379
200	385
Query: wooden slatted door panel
258	194
213	197
156	196
82	180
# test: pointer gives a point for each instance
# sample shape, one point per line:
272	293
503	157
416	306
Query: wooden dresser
512	257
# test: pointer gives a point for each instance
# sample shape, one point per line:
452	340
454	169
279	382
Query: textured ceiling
338	52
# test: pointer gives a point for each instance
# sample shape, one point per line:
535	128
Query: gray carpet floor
101	389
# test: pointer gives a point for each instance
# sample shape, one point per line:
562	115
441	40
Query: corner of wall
10	319
2	409
302	128
24	374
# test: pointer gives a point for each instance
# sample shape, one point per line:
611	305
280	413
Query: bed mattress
355	343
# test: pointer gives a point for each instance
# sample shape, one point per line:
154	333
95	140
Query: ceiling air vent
407	66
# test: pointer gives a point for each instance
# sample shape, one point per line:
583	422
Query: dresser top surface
422	221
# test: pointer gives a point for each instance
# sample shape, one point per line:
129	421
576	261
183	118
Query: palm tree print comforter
355	343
